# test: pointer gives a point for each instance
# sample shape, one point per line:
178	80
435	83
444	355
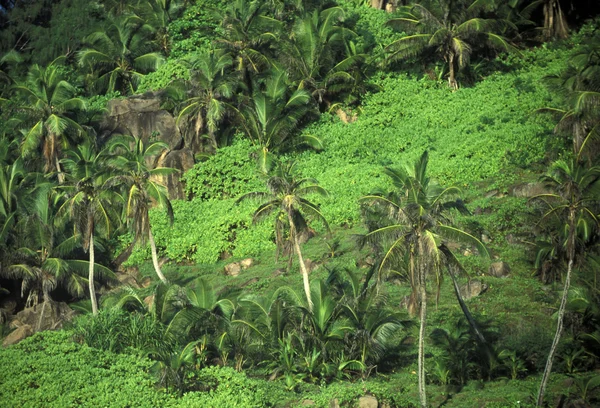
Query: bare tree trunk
303	269
465	309
555	23
91	277
155	256
561	311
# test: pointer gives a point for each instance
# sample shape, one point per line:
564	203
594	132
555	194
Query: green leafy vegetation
342	224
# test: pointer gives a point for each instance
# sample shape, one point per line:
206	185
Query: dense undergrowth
328	166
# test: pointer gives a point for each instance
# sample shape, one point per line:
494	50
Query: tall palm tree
317	57
209	90
410	222
121	54
286	200
574	201
89	202
272	116
48	101
448	28
142	190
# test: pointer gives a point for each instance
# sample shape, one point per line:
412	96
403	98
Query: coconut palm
89	202
47	104
449	29
410	223
579	86
272	116
247	33
574	201
286	200
121	54
209	90
317	55
142	190
159	14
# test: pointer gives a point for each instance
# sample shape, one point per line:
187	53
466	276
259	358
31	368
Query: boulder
308	403
149	300
278	272
246	263
142	116
368	401
310	265
233	269
499	270
17	335
49	315
472	289
528	190
182	160
334	403
127	280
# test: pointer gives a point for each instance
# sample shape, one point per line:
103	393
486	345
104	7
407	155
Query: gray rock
17	335
233	269
334	403
182	160
44	316
472	289
528	190
368	401
499	269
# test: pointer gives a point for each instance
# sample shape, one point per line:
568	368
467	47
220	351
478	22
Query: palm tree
448	29
89	202
286	199
47	102
142	190
317	57
574	201
159	14
120	54
247	33
414	226
208	91
579	86
272	116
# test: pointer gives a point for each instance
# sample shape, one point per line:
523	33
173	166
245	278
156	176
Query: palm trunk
421	358
91	276
155	257
452	76
46	300
465	309
561	311
303	269
422	270
59	174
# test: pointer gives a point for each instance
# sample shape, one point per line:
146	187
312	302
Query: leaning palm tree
574	201
286	200
449	30
121	54
142	190
410	223
47	104
89	202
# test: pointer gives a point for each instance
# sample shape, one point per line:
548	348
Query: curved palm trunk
465	309
303	269
561	311
155	257
91	277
